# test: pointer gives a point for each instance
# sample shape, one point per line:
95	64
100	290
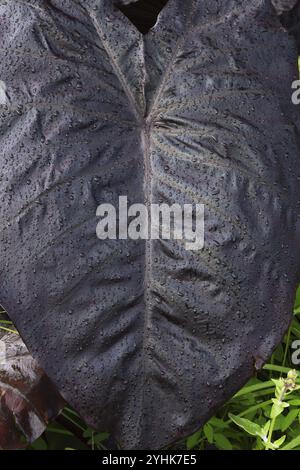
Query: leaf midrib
145	123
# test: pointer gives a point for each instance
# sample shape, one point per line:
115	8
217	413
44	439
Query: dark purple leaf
147	339
28	400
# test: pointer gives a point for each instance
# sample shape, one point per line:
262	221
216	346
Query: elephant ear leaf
28	400
144	337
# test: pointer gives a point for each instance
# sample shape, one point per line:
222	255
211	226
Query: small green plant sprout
264	431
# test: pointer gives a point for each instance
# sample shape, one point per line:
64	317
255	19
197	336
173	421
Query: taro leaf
28	400
146	339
